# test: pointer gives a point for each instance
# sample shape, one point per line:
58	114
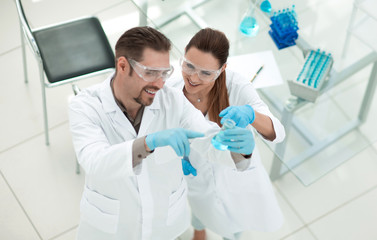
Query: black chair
66	52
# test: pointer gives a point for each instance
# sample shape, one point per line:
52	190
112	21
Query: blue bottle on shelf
228	124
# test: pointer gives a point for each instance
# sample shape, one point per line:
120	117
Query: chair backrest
71	50
26	29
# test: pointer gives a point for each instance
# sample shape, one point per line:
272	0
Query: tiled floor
40	191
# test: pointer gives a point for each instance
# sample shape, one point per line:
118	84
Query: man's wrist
139	151
146	146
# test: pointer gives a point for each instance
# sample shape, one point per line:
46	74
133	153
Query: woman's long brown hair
216	43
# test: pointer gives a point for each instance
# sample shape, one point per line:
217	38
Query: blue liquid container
265	6
228	124
249	26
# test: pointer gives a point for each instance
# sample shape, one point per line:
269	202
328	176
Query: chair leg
143	13
44	103
77	167
76	91
23	55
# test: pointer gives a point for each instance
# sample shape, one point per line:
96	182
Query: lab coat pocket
249	180
100	211
177	204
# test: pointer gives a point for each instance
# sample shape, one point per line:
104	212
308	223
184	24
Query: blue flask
265	6
228	124
249	25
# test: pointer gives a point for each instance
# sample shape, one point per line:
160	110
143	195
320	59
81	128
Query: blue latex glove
177	138
238	140
242	115
187	167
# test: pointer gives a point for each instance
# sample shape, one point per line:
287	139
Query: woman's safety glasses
151	74
203	74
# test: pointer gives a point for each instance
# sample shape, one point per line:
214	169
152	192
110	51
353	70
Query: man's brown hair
133	42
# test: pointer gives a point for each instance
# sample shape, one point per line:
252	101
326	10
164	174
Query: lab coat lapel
149	115
123	125
119	121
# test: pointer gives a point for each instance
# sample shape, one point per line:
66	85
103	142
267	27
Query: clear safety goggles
151	74
203	74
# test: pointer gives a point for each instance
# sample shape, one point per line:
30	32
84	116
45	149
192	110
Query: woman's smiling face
202	60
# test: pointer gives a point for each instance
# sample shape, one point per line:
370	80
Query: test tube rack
284	27
312	76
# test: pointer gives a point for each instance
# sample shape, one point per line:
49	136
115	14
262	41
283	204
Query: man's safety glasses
203	74
151	74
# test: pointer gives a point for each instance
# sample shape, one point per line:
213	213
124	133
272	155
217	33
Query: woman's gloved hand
238	140
177	138
241	115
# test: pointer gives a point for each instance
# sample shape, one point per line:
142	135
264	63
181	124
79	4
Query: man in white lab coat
129	134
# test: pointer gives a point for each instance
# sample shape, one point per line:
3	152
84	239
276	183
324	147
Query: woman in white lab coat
223	200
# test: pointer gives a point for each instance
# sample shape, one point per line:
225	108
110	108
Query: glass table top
320	135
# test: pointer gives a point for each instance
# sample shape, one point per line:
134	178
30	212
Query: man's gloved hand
187	167
242	115
177	138
238	140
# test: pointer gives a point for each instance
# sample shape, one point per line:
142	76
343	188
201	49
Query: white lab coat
228	201
119	202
